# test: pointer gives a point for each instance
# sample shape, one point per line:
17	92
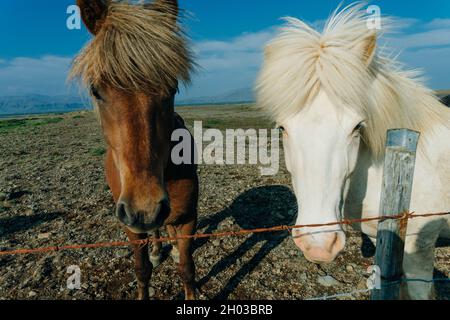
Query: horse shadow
261	207
12	225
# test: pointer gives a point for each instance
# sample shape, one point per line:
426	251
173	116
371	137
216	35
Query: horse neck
401	101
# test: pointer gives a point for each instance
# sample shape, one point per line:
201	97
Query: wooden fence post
401	146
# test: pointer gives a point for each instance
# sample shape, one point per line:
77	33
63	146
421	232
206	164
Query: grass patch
98	152
11	124
78	117
226	117
236	123
45	121
213	124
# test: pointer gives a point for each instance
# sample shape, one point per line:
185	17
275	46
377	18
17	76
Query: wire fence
239	234
363	291
392	283
340	295
211	235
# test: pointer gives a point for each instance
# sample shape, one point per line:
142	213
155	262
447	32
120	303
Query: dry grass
53	192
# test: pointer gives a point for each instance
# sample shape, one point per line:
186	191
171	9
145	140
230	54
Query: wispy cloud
46	75
430	38
438	23
245	42
231	64
228	65
434	64
244	51
424	45
403	23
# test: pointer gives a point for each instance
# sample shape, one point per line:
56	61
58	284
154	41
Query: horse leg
174	253
143	266
155	255
186	267
418	262
418	268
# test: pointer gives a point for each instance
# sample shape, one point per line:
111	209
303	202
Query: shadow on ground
12	225
262	207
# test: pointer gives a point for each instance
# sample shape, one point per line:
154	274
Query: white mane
301	61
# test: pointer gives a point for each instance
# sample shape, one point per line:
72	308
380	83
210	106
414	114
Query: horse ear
165	5
367	48
93	13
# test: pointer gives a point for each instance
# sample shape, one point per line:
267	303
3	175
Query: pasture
53	192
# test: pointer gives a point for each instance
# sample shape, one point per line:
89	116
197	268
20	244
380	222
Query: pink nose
320	248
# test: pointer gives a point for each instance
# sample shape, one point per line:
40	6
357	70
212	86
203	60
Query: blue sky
227	35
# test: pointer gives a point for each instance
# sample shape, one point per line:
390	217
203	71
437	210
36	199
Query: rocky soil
53	192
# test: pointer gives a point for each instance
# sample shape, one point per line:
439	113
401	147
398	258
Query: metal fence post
401	146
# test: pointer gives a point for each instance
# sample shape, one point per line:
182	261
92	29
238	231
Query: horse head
132	67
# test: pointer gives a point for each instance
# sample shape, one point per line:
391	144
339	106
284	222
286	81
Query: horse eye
282	129
95	93
359	127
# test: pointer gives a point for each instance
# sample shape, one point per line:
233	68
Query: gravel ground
53	192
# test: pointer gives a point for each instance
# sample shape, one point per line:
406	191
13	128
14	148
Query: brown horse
133	66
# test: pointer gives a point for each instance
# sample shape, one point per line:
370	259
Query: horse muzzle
142	220
320	248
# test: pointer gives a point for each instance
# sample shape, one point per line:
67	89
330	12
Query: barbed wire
211	235
339	295
362	291
242	233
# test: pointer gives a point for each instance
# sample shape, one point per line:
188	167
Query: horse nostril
331	242
120	211
124	214
163	208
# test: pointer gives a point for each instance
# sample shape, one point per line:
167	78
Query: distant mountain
446	100
247	95
235	96
35	103
443	93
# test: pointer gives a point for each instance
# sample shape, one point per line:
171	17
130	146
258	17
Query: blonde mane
138	48
301	61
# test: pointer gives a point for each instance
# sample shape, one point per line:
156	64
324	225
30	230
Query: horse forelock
138	49
301	61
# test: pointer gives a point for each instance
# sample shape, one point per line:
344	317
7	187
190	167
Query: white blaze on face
321	147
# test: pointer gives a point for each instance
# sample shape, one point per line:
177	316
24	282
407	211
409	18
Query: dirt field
53	192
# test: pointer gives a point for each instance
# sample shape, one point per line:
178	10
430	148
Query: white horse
335	95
